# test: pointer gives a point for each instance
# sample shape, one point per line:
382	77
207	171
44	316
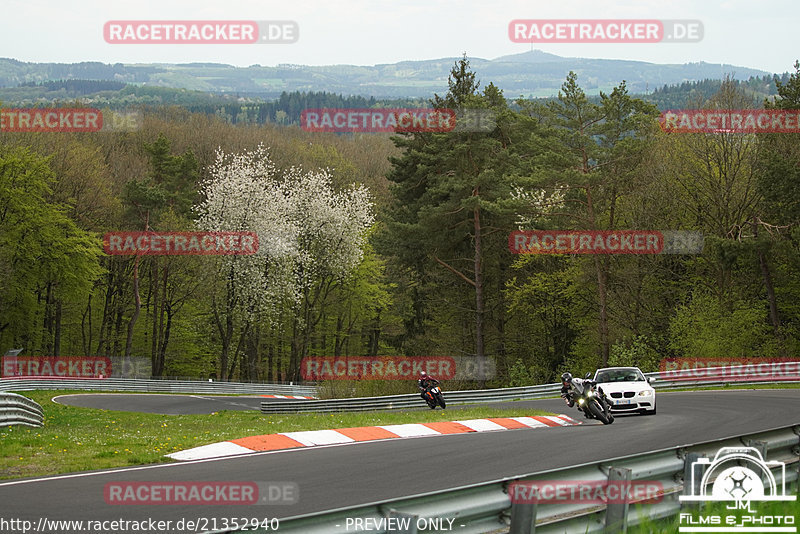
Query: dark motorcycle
433	396
591	401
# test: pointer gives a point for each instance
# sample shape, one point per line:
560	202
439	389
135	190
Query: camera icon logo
736	474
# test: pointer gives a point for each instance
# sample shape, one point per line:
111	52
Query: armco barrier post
761	447
523	518
617	512
796	452
412	521
692	477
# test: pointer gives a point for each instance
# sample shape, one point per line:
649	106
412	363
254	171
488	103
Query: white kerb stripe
558	420
481	425
410	430
318	437
279	396
213	450
529	421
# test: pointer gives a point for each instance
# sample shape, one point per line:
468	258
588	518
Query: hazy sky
763	34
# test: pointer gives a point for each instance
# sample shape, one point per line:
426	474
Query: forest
246	108
386	245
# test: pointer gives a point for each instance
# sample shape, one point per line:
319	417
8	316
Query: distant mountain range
529	74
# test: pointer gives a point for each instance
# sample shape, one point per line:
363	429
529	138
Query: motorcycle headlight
589	394
645	393
580	401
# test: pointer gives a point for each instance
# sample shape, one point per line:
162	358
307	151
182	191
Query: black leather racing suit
424	383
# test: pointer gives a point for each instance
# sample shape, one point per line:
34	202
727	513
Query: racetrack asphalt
330	477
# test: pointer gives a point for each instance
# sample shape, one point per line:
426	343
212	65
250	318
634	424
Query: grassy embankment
80	439
767	513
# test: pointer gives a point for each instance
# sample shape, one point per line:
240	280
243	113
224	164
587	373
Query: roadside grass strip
75	439
312	438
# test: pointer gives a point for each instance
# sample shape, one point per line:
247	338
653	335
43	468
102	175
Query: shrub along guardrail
717	376
18	410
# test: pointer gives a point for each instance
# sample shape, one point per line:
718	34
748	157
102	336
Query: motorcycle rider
567	393
566	389
425	381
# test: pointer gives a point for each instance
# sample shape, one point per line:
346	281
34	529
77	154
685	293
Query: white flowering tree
310	236
536	204
332	229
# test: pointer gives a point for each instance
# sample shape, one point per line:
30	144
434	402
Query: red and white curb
311	438
286	397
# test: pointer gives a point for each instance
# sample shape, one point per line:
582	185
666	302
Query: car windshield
620	375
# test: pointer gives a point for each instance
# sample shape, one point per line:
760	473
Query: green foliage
576	161
540	302
704	327
519	375
636	352
767	511
41	248
340	389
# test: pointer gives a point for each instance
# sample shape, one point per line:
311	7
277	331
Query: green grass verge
767	511
80	439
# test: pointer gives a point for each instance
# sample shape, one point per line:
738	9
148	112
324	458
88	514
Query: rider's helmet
423	375
566	379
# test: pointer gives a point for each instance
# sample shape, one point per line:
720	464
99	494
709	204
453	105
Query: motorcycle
434	397
591	401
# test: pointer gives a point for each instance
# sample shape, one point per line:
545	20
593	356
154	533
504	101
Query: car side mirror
588	375
650	378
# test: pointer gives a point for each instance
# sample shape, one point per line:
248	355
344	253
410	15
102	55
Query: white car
628	389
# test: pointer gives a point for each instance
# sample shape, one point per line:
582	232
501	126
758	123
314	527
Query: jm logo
736	474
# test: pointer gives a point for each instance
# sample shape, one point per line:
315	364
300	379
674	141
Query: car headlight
645	393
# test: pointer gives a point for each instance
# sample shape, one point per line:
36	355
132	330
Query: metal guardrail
155	386
717	376
411	400
488	507
18	410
